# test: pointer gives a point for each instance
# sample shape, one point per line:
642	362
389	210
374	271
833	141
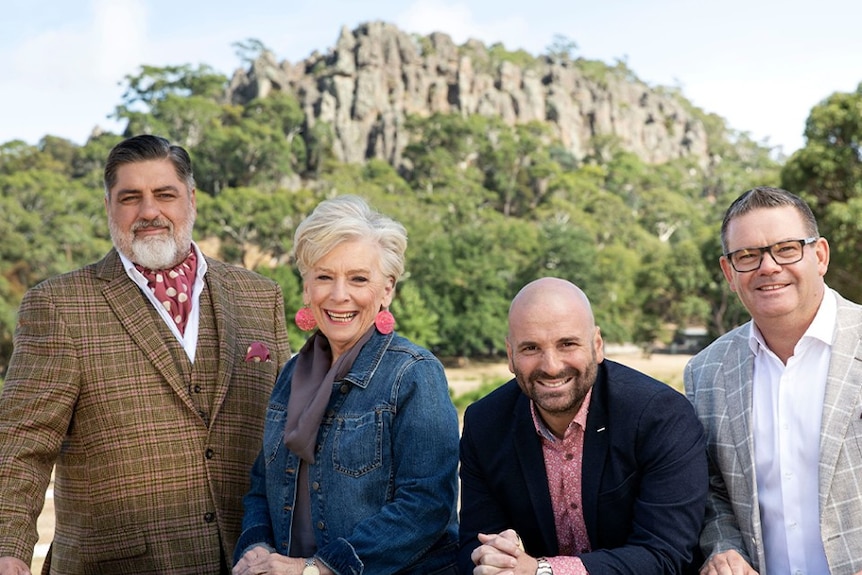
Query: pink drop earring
304	319
384	321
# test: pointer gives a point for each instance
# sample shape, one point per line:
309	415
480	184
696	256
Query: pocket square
257	352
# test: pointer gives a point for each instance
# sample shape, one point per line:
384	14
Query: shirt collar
821	328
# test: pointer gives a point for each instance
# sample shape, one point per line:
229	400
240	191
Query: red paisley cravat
173	288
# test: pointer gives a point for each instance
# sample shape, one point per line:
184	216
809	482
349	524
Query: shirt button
569	456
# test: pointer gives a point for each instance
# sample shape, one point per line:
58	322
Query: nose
148	209
339	290
551	362
768	265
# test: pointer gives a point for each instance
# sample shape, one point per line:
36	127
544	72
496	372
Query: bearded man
579	464
143	381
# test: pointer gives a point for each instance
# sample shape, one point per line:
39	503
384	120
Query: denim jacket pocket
273	433
358	443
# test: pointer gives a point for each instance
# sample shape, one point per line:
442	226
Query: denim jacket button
315	486
344	388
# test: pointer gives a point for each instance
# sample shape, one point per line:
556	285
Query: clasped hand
501	554
259	560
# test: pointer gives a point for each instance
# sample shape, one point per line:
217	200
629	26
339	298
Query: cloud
119	37
70	74
458	21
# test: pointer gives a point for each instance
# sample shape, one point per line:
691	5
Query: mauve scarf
311	388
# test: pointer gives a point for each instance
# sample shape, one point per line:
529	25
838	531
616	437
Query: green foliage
488	207
828	173
291	287
562	49
488	385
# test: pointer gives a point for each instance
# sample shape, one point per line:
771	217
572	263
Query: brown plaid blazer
143	483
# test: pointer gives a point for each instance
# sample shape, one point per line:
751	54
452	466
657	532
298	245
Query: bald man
578	464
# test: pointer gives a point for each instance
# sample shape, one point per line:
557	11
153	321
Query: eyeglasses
783	253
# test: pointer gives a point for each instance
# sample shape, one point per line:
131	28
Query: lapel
529	453
132	309
736	379
842	395
222	298
596	446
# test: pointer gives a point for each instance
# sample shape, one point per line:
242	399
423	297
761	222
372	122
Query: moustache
144	224
562	374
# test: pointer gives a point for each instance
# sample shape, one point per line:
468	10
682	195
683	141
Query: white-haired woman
358	472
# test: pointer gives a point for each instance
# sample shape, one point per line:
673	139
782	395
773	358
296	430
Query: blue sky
761	64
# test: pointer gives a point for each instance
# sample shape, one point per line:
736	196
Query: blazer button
209	516
209	453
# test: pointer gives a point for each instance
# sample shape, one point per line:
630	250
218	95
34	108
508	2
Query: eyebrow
128	191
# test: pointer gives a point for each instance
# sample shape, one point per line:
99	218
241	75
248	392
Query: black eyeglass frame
768	249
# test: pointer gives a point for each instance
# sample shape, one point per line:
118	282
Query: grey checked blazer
718	382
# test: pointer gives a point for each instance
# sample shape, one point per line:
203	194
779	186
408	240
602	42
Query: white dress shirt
188	339
788	406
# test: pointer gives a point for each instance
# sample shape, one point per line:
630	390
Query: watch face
310	569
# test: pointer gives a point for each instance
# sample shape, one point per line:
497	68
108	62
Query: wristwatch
310	567
543	567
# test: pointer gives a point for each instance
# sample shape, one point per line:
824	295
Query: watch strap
543	567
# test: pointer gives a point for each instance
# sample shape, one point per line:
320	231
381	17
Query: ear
193	198
388	291
509	354
728	272
821	250
599	345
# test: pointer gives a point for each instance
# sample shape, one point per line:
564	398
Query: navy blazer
644	481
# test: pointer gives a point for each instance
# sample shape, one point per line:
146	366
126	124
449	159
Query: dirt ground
463	378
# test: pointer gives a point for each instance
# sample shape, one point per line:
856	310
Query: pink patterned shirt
563	459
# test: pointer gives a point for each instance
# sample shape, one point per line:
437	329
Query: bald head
554	348
546	297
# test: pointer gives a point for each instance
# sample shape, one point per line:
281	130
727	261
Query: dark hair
766	197
143	148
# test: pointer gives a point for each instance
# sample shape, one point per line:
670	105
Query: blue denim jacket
384	482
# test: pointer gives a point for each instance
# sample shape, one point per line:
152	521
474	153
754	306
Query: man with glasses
780	400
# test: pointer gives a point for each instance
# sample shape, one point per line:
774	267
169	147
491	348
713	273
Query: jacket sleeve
36	407
721	531
481	512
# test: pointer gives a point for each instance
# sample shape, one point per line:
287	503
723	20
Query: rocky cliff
376	75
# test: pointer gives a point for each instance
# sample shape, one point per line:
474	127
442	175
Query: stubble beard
156	253
549	400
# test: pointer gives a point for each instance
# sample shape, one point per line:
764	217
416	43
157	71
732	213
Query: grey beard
156	253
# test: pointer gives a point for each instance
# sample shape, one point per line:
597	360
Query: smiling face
151	214
554	349
345	289
777	296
